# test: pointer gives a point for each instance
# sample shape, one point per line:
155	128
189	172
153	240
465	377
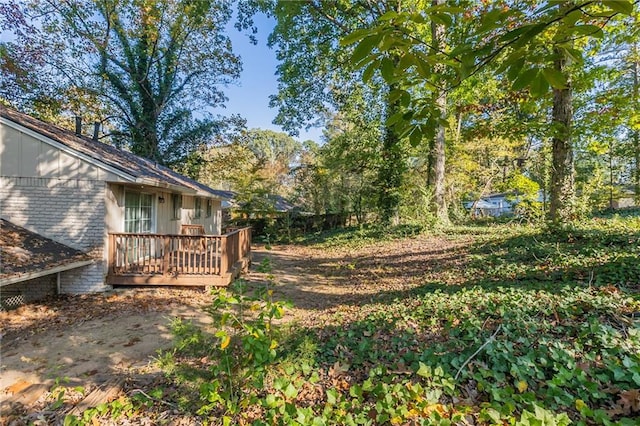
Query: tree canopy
147	65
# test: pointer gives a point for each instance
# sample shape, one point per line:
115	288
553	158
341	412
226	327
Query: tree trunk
390	173
562	187
635	135
437	154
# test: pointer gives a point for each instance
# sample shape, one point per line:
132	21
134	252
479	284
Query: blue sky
250	96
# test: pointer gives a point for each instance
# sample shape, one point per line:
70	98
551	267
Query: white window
138	212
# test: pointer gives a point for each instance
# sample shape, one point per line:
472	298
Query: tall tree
437	154
532	42
315	79
255	163
153	63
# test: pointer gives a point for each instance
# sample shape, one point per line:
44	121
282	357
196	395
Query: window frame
209	207
140	217
197	208
176	206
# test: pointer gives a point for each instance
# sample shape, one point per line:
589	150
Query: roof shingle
23	252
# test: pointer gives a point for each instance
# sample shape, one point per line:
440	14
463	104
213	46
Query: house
499	204
138	222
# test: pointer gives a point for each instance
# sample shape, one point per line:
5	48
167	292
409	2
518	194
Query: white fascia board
68	150
166	185
31	275
205	194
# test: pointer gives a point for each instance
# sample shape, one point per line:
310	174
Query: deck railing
177	255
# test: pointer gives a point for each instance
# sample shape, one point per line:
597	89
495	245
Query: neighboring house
493	205
108	204
625	198
497	204
268	205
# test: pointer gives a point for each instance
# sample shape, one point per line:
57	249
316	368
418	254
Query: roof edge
31	275
160	184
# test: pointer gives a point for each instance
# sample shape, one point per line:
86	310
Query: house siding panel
48	161
165	223
114	208
10	154
70	212
29	155
68	166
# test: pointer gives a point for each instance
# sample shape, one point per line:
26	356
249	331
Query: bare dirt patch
322	282
89	340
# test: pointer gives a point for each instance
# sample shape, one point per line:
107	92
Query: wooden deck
190	260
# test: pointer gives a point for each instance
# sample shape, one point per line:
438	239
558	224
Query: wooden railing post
224	261
112	253
165	255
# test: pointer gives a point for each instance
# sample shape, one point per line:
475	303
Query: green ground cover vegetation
540	327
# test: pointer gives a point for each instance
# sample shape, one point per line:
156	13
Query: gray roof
137	167
24	253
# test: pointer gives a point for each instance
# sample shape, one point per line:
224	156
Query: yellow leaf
522	386
580	404
274	344
225	341
396	420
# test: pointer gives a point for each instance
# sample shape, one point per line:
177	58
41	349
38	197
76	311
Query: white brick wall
71	212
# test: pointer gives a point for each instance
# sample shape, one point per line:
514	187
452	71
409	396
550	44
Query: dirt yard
89	340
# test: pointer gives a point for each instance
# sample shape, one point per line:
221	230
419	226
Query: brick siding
71	212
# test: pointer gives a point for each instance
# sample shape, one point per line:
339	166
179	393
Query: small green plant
247	343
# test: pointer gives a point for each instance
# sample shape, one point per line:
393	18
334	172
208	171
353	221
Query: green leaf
417	18
424	371
394	118
515	69
387	69
539	86
415	136
555	78
291	391
588	30
525	79
620	6
368	72
513	34
442	18
271	401
364	48
332	396
387	16
405	62
354	37
396	94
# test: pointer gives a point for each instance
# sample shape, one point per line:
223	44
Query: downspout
58	283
